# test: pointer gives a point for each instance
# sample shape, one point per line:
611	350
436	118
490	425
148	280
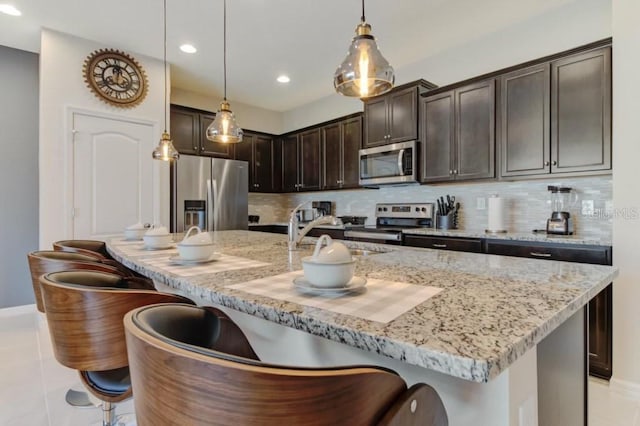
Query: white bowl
328	275
157	241
195	251
134	234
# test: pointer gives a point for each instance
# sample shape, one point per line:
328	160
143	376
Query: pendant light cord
224	40
362	17
165	65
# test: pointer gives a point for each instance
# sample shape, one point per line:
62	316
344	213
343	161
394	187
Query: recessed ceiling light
188	48
9	10
283	79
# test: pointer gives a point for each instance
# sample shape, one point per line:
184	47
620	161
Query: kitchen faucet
295	235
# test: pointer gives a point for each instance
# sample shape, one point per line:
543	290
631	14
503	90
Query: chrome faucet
295	235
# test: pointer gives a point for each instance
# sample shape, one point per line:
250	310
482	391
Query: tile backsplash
527	203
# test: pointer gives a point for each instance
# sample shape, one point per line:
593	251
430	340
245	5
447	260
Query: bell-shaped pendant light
364	72
165	150
224	127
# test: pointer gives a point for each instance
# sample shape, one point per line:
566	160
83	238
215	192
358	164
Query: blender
560	222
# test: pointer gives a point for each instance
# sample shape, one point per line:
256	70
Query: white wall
574	24
18	179
61	86
248	117
626	196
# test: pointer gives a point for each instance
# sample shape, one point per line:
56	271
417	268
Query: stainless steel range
391	219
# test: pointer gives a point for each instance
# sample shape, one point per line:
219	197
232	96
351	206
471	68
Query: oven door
389	164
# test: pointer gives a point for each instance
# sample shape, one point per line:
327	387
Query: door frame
70	113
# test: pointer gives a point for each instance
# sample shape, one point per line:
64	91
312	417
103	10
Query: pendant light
165	150
224	128
364	72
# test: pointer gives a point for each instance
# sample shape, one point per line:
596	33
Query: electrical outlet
481	203
587	208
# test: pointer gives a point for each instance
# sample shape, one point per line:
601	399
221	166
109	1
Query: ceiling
305	39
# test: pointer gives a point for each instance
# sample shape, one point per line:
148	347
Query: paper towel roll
496	215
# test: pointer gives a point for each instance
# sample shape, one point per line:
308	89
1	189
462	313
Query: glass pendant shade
165	150
364	72
224	128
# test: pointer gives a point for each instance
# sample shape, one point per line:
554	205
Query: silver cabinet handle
439	245
554	163
455	172
537	254
450	172
546	163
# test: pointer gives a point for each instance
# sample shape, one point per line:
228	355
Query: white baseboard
625	388
18	310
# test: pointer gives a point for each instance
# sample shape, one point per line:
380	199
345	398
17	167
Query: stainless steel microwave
394	164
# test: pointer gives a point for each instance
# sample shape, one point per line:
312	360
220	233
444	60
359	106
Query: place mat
382	301
222	263
138	249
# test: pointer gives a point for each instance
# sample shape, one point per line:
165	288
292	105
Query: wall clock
115	78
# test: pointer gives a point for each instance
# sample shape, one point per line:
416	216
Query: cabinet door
332	156
277	165
351	144
581	112
244	152
309	160
185	130
375	122
437	116
290	163
263	164
524	121
403	115
600	334
212	149
475	131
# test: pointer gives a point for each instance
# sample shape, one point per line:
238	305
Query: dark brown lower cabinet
600	307
472	245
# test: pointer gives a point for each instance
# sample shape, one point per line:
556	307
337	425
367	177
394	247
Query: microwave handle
401	162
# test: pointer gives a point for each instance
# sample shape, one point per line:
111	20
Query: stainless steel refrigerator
209	192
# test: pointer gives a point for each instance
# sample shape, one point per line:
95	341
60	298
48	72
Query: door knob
554	163
546	163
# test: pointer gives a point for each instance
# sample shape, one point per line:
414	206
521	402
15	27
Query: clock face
115	77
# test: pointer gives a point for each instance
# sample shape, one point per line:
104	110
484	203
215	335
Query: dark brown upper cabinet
581	112
341	142
301	160
458	133
524	117
555	117
189	133
258	150
393	117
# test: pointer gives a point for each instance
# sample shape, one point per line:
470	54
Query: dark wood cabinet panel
375	121
263	170
185	130
341	142
600	307
581	112
403	115
524	121
309	159
244	150
290	163
472	245
475	131
351	144
438	137
394	116
458	134
277	165
213	149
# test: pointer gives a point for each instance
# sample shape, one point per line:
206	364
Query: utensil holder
445	222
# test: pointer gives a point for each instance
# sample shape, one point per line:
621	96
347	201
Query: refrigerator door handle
212	186
210	219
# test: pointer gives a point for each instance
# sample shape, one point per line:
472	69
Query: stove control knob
417	209
384	209
424	209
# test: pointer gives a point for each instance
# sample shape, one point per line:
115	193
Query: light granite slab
492	309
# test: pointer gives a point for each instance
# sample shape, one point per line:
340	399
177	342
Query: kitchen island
503	341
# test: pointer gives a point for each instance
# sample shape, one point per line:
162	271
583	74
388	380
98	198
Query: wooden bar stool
95	248
181	374
85	311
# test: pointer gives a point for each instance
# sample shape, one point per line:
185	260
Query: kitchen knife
444	206
449	203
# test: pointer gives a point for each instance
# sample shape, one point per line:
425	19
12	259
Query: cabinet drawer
338	234
597	255
444	243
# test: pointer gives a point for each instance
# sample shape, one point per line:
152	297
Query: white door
112	175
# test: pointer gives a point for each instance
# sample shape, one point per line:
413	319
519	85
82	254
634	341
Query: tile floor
34	384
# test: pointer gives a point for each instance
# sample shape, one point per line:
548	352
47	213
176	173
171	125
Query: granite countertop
492	309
